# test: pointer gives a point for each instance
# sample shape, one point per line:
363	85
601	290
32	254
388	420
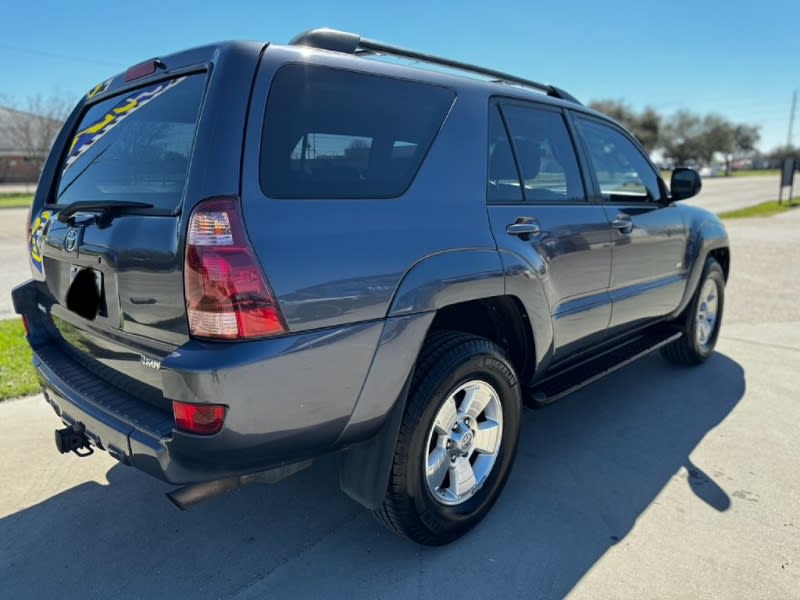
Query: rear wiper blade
106	208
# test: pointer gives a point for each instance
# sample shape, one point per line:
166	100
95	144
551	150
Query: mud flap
365	468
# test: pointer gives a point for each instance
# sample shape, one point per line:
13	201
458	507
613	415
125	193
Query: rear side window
330	133
504	185
135	147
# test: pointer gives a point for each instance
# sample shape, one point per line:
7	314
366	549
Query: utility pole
791	121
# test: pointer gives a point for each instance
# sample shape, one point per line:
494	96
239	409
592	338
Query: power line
61	56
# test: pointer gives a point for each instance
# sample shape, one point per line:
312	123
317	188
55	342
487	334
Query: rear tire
702	320
457	440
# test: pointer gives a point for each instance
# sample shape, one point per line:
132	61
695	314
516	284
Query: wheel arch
707	239
497	295
371	435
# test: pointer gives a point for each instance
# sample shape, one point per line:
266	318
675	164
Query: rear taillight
26	325
202	419
227	294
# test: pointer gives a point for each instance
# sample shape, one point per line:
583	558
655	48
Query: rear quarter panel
332	262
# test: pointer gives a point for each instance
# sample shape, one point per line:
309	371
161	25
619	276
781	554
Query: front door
649	267
539	211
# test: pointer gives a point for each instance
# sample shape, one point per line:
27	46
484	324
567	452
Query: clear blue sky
740	59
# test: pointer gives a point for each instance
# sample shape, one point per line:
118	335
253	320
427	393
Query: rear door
649	238
113	276
539	210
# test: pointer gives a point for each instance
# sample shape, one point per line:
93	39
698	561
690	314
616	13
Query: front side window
331	133
545	155
623	173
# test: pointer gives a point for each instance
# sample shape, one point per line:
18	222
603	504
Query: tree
745	139
645	125
717	136
681	138
33	126
648	129
687	138
775	158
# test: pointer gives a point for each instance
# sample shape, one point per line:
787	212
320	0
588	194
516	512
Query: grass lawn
765	209
756	173
666	175
16	372
15	200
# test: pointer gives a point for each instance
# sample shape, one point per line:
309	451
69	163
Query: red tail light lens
202	419
227	295
26	325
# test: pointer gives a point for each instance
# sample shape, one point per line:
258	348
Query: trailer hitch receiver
73	439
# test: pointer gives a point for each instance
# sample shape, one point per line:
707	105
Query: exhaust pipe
187	496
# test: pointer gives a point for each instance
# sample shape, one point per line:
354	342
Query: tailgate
107	248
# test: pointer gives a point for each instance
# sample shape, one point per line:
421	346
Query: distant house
25	140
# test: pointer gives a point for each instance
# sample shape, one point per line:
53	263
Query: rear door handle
524	226
623	224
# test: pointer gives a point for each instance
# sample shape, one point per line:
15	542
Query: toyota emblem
71	240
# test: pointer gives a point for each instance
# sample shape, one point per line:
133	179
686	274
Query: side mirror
685	183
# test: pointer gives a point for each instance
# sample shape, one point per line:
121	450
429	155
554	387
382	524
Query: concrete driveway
14	263
655	482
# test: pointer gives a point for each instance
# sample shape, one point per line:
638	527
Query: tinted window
330	133
504	183
135	146
545	155
623	173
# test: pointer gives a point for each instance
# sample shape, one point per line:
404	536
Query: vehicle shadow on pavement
586	469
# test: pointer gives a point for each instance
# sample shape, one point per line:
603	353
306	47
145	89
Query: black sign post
787	179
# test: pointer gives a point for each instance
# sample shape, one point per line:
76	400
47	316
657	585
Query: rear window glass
135	147
330	133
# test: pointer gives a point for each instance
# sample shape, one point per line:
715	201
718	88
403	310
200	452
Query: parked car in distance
711	171
247	255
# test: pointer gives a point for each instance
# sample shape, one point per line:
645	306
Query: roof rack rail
351	43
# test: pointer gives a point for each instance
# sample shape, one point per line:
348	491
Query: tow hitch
73	439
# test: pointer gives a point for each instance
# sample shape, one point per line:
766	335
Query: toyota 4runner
248	255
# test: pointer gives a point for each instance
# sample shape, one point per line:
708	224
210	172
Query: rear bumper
289	398
133	433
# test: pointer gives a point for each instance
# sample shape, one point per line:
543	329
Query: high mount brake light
143	69
227	295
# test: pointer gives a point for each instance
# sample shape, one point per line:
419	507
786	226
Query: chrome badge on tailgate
151	363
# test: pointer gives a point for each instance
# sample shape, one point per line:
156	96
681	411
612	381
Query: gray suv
249	255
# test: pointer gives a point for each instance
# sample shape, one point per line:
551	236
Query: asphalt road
720	194
655	482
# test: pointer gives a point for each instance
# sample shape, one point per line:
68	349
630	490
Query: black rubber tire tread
438	344
683	351
397	511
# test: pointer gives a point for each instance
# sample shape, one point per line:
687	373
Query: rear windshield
135	147
330	133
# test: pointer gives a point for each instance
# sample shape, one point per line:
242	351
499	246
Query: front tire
702	320
457	440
